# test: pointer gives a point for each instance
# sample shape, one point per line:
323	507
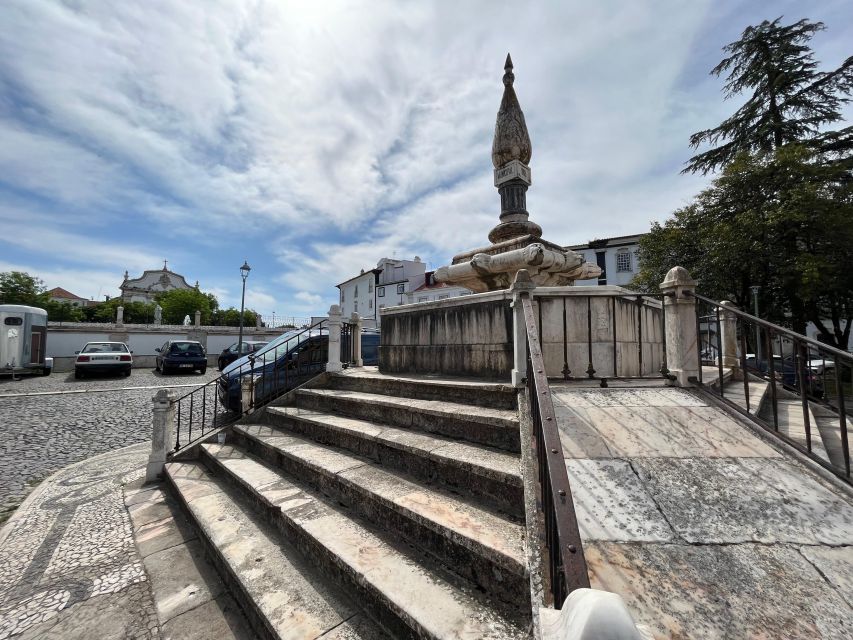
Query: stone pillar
163	434
247	392
119	316
521	284
334	363
357	325
679	308
257	321
728	328
198	318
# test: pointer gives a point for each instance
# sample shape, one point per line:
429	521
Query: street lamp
244	273
755	289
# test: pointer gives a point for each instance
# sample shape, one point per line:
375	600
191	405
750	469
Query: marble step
758	390
492	475
829	427
427	387
478	544
401	587
283	595
483	425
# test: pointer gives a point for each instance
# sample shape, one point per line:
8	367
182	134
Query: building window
623	261
369	287
380	292
342	296
370	304
443	297
355	305
356	291
401	288
423	299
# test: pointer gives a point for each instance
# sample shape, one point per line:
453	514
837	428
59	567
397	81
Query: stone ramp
402	511
707	529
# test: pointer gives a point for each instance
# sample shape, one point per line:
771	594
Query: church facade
150	283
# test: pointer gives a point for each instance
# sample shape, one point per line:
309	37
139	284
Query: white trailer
23	337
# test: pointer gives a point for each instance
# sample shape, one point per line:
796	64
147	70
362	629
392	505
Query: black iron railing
348	331
287	362
607	335
808	382
566	565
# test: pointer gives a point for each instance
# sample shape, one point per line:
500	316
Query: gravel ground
40	434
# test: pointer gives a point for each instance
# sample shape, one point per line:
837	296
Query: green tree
19	287
63	312
781	221
791	101
179	303
231	317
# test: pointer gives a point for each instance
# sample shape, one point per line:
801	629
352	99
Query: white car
103	357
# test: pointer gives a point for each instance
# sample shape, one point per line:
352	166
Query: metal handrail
188	419
796	377
775	327
567	568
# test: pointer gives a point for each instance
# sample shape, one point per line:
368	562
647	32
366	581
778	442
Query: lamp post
244	273
755	289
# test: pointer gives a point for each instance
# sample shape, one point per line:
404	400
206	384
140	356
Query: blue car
285	363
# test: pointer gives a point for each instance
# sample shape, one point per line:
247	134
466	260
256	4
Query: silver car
103	357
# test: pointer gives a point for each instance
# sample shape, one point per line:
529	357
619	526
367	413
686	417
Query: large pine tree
791	100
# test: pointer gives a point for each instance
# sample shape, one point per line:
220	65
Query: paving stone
612	504
724	500
220	619
182	579
836	563
640	431
683	592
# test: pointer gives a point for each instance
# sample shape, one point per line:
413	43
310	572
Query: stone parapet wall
469	335
472	335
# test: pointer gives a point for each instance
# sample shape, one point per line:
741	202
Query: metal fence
282	365
808	383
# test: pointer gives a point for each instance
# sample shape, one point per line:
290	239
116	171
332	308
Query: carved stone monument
158	314
516	241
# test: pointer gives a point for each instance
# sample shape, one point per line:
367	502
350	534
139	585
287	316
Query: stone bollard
590	614
163	433
357	324
521	284
119	316
679	308
247	391
198	318
334	363
728	328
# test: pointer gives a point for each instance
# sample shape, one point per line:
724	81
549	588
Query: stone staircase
826	432
369	506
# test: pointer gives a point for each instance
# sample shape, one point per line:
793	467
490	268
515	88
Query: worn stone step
478	544
490	474
283	595
427	387
484	425
408	594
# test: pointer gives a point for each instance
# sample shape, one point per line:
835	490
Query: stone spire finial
512	142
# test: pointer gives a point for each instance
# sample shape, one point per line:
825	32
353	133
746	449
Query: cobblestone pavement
69	567
40	434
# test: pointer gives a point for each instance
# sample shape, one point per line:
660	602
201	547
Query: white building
150	283
393	282
431	290
618	258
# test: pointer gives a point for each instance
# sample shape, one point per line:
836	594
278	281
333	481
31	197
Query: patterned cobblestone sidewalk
69	567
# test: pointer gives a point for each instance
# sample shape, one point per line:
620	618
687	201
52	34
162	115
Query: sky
314	138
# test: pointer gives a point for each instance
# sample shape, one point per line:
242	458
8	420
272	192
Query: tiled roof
59	292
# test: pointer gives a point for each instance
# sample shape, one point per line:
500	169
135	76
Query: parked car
786	371
230	354
103	357
181	355
285	363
